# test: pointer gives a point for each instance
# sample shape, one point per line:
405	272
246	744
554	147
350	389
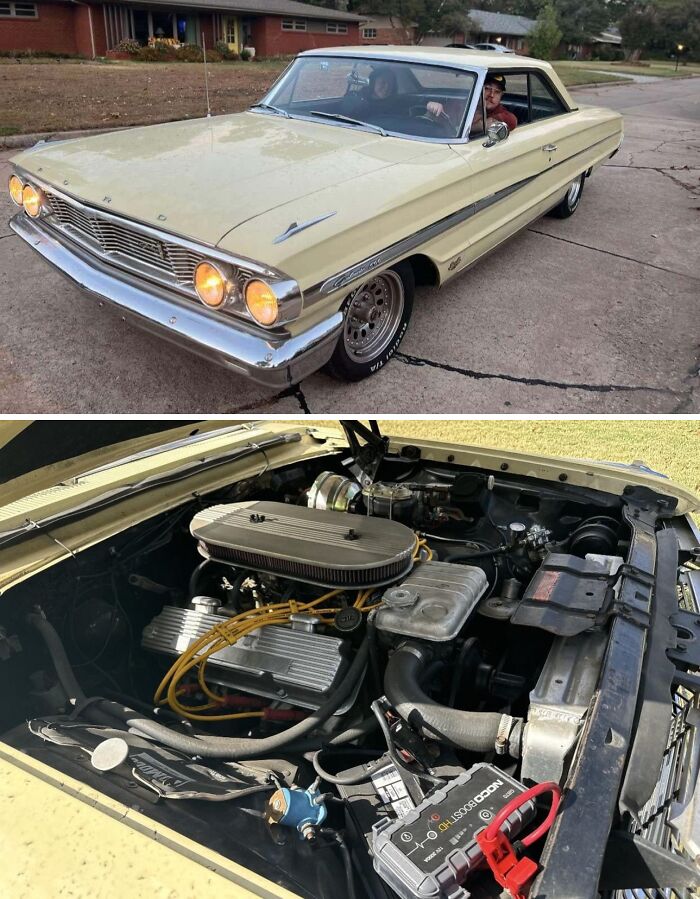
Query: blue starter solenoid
304	810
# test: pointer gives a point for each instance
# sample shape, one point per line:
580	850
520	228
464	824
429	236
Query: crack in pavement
4	236
534	382
666	172
586	246
294	390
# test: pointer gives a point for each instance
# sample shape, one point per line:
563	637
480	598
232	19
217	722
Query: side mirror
495	133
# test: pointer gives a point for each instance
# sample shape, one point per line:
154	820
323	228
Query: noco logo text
468	806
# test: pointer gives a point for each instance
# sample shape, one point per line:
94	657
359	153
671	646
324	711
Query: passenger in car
494	86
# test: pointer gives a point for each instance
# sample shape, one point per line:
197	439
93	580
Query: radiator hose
480	732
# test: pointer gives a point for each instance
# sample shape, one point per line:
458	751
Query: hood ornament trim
295	228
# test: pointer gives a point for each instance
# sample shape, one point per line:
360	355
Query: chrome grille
116	239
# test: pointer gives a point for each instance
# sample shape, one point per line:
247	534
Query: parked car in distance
292	235
498	48
462	46
256	652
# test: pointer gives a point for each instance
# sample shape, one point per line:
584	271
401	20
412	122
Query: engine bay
363	671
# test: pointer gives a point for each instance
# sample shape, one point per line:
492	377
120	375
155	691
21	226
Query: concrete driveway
596	314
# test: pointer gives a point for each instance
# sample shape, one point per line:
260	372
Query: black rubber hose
54	644
246	748
474	731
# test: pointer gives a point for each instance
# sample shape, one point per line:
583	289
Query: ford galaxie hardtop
291	236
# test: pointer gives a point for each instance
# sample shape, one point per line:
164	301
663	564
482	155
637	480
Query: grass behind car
573	73
654	68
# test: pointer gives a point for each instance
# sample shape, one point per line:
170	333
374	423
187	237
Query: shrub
190	53
127	45
156	53
245	55
607	53
222	48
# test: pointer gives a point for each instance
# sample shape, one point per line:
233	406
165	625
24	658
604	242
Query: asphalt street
599	313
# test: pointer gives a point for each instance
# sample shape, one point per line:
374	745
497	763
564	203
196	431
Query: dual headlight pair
214	288
211	282
27	196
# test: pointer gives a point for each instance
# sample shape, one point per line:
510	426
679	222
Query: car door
510	178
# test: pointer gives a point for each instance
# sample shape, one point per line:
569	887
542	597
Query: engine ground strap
511	870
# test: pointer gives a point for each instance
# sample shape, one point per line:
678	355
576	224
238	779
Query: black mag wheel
376	318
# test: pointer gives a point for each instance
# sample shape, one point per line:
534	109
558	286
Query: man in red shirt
494	86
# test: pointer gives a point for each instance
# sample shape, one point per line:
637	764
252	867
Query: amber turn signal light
16	187
211	284
31	200
261	302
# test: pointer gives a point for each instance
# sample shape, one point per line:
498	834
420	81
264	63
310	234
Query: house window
336	28
293	24
18	10
369	34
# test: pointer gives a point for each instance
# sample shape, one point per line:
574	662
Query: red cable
521	799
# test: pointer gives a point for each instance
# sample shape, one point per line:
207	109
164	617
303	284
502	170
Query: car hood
203	177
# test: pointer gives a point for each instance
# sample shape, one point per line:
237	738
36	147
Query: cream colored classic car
291	236
261	660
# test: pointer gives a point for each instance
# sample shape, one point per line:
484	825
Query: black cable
344	780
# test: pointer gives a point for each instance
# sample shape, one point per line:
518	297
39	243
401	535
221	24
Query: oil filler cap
347	620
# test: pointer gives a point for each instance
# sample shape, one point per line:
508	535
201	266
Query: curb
629	80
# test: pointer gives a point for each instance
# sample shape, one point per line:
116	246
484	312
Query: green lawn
668	446
661	69
574	73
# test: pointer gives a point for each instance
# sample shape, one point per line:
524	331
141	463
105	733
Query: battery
431	850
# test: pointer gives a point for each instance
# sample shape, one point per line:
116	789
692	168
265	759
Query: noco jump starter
432	850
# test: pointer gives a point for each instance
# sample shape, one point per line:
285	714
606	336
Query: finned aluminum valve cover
333	549
282	663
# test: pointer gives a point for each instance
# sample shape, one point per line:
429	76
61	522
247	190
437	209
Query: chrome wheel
574	193
373	315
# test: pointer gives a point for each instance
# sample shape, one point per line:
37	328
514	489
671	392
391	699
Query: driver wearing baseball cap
494	87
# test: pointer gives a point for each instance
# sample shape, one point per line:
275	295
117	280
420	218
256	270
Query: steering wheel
441	121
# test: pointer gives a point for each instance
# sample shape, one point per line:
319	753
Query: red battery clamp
510	871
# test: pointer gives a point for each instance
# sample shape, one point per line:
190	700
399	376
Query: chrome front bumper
270	359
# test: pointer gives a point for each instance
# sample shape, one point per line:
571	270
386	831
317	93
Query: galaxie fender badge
455	262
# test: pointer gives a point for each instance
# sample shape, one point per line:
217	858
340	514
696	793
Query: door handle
549	148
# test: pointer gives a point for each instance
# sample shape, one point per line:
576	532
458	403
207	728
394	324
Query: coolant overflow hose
475	731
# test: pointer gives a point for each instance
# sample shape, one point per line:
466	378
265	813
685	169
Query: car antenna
206	75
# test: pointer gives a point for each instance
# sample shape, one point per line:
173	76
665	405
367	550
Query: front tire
570	203
376	317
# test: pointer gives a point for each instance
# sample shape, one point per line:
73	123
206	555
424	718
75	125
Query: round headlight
210	284
16	187
261	302
31	200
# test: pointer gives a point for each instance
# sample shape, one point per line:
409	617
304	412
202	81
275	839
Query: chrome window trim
285	288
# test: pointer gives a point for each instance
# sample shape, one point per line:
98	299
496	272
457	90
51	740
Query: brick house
91	27
386	30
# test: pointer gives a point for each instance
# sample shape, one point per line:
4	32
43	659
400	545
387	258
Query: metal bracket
366	457
686	653
633	863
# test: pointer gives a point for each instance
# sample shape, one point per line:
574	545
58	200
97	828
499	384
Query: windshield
404	98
